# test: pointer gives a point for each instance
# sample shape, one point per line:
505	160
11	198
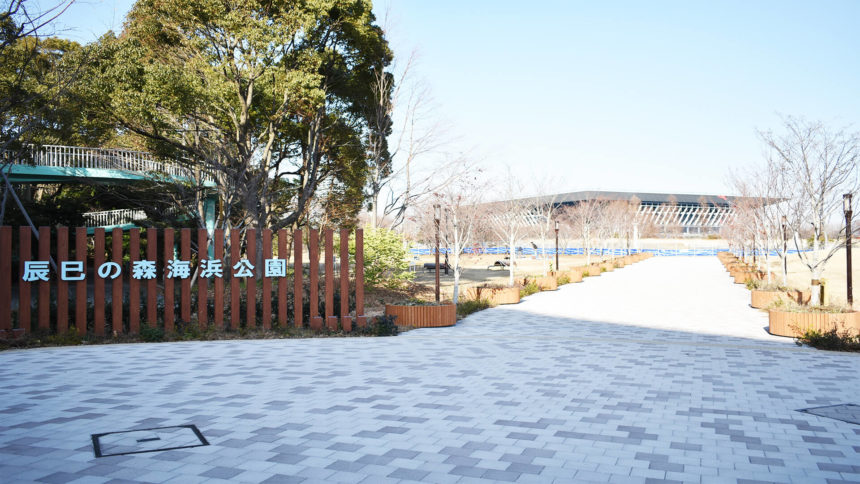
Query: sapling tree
508	218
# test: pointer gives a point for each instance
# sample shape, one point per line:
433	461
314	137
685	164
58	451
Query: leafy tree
386	258
266	97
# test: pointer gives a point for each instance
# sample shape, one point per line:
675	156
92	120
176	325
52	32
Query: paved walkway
657	371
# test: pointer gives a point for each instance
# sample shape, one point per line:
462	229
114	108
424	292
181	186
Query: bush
563	279
151	334
585	274
466	308
530	288
386	258
830	340
384	326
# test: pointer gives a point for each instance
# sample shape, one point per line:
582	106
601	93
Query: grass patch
530	288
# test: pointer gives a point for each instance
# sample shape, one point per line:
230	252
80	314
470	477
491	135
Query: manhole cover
846	412
147	440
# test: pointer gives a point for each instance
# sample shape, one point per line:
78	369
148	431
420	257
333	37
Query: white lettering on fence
39	270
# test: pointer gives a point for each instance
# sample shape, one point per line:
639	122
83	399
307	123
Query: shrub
602	269
384	325
830	340
466	308
386	258
530	288
585	274
563	279
151	334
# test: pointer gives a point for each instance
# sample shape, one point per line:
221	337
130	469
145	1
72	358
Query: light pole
846	205
557	268
437	214
784	248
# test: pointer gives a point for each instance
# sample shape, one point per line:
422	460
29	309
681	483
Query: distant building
684	213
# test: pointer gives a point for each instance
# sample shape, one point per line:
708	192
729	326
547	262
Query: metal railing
100	158
113	217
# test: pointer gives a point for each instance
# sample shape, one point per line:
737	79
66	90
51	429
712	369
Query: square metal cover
147	440
846	412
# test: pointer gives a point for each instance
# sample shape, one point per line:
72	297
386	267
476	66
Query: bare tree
464	217
543	213
584	219
508	218
821	163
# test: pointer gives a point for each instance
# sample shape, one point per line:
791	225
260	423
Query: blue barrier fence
529	251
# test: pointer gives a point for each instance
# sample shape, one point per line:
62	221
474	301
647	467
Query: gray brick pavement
659	372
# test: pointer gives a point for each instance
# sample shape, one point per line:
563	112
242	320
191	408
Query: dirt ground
834	276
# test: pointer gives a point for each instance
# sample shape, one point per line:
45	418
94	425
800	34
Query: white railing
103	158
113	217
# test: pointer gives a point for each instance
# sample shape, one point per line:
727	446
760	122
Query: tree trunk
513	254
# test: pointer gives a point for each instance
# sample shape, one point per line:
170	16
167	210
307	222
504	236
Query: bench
431	266
500	263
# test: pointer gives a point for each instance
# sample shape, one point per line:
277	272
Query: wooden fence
70	271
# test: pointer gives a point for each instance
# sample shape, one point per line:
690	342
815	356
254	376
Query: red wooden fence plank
234	281
314	261
133	284
152	284
251	282
298	293
6	278
267	281
62	286
81	286
185	283
45	286
283	253
116	284
24	301
359	278
98	282
218	254
169	294
330	319
345	320
202	282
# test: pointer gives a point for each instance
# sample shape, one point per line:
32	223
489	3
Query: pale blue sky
640	96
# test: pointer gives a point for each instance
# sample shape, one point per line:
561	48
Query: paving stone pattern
659	372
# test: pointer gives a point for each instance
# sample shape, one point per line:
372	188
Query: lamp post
784	248
437	214
557	268
846	206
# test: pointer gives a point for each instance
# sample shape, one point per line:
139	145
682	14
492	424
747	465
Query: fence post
298	291
116	284
81	286
314	255
267	281
218	254
202	282
185	283
152	284
133	284
6	278
44	286
283	253
169	293
62	286
360	318
330	318
235	302
251	282
345	320
98	283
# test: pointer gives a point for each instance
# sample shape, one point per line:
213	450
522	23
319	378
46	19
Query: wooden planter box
423	316
761	299
786	323
608	266
495	295
741	277
593	270
548	283
575	275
